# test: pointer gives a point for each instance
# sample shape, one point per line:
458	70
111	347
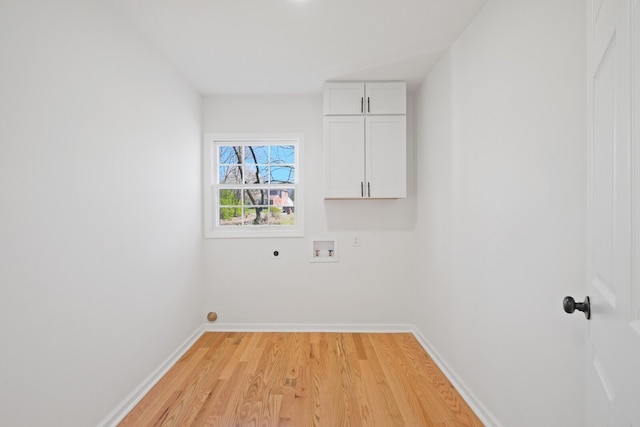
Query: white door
386	98
342	98
613	332
386	154
344	156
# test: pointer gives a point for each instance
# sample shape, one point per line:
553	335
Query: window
252	186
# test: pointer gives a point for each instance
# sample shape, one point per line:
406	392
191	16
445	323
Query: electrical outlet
355	242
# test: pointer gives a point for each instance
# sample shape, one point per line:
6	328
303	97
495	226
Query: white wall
369	284
501	212
100	237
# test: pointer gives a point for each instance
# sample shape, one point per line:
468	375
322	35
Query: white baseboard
139	392
486	416
307	327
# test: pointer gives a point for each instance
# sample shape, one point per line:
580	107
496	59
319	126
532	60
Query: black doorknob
570	305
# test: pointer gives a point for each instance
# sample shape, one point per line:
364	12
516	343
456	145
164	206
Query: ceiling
293	46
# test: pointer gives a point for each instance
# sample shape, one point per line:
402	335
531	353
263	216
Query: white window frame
211	186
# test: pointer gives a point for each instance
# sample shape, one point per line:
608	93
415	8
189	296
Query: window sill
239	234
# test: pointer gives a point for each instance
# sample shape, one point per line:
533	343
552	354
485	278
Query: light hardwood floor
303	379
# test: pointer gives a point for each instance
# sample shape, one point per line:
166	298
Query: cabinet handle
368	104
362	104
361	189
368	189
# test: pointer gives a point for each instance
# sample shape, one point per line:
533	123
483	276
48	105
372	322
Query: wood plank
396	404
427	371
303	379
165	397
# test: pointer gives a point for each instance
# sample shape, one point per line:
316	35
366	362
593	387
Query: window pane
282	197
229	155
281	216
256	154
283	154
256	197
256	174
282	207
230	211
283	174
231	216
231	174
256	215
230	197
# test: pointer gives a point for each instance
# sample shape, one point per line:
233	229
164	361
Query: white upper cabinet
353	98
386	157
386	98
365	140
343	98
344	151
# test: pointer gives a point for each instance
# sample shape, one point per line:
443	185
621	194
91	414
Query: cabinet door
344	156
386	157
386	98
344	98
